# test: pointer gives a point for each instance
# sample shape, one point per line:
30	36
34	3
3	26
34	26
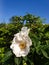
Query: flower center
22	45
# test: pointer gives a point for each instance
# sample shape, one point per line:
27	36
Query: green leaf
31	62
45	53
35	40
25	58
24	63
7	56
17	60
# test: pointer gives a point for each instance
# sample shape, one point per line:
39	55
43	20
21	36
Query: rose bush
34	43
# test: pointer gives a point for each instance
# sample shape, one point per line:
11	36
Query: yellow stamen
22	45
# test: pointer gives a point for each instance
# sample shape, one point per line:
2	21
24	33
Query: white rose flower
21	43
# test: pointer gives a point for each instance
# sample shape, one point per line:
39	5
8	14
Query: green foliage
39	34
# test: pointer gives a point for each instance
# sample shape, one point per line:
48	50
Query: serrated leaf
45	53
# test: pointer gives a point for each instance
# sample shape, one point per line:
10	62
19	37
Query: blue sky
9	8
